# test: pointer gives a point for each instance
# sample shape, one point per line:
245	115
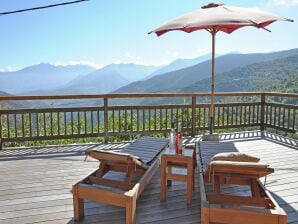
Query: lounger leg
205	216
169	182
78	204
282	219
216	185
189	182
163	180
255	190
131	210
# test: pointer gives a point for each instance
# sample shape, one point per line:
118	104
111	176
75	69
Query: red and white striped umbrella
216	17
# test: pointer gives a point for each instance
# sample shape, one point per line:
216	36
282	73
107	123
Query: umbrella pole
211	115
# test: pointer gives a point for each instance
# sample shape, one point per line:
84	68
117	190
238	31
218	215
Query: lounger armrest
116	157
250	168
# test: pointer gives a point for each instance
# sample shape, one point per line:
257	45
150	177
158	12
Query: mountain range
47	79
177	81
40	77
234	72
107	79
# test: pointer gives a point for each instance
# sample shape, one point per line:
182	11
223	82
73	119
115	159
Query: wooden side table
185	162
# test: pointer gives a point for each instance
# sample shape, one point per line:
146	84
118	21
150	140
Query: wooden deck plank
35	186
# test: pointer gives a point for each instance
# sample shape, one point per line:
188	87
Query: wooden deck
35	185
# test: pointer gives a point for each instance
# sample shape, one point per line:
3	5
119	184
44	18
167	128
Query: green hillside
277	75
289	85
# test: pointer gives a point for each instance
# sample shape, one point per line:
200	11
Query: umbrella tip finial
212	5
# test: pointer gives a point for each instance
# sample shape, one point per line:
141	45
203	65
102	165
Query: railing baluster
289	117
279	112
98	121
245	114
199	118
149	120
249	114
37	124
193	115
78	123
85	123
253	114
275	109
113	121
8	125
51	123
155	119
119	120
30	126
125	120
284	116
138	120
131	119
232	115
44	124
65	124
182	117
177	117
204	116
15	125
218	115
23	125
106	119
160	119
294	119
144	120
166	118
270	117
58	123
241	117
72	123
223	116
228	113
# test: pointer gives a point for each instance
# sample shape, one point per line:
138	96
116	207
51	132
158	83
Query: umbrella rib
257	25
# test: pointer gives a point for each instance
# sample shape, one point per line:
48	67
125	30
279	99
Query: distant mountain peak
38	67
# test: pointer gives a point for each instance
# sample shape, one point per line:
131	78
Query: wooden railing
105	121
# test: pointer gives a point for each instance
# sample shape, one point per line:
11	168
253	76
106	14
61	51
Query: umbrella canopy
216	17
219	17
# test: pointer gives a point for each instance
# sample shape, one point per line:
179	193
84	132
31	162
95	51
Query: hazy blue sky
106	31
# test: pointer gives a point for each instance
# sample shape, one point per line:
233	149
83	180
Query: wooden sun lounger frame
120	163
221	212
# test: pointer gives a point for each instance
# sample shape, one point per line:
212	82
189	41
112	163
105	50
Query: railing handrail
144	95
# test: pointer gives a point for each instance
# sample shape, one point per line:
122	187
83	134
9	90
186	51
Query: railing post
263	102
106	120
193	110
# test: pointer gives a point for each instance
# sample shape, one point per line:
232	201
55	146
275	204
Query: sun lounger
137	163
231	191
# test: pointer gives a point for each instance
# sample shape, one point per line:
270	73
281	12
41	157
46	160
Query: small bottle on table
172	137
179	140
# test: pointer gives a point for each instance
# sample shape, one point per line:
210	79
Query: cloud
81	62
9	69
283	2
129	55
152	63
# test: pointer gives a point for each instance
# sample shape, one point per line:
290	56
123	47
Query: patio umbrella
216	17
